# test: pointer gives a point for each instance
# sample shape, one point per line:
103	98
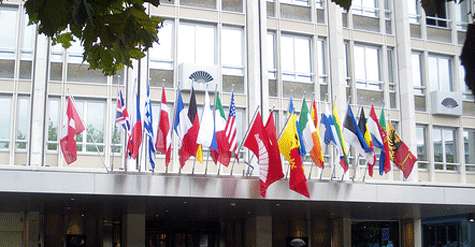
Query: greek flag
148	125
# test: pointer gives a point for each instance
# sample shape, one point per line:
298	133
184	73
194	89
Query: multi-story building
388	53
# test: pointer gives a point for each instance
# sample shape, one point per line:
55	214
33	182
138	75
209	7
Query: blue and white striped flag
148	125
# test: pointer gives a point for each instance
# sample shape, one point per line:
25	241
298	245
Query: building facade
388	53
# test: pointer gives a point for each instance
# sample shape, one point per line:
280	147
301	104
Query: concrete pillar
404	72
255	33
407	233
134	232
38	102
336	61
341	232
417	233
258	231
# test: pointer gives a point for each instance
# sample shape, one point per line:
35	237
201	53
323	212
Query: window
469	148
77	70
319	4
209	4
414	11
440	77
462	12
367	67
56	64
117	138
322	69
295	9
421	134
161	57
232	50
437	16
271	63
197	43
26	50
8	18
232	5
416	58
467	94
92	113
22	122
445	152
5	112
295	60
53	123
393	102
365	7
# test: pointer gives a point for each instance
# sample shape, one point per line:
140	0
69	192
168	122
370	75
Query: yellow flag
199	154
289	139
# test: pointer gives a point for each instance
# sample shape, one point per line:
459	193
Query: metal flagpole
172	127
92	138
126	134
355	168
245	136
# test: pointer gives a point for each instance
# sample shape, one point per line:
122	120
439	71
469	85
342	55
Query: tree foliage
112	32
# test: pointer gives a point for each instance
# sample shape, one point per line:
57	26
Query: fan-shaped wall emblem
450	103
201	77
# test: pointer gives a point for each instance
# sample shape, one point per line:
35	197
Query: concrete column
407	233
406	89
255	35
417	233
336	61
38	102
134	232
258	231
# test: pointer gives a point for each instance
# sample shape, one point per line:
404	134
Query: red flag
75	127
189	147
275	172
163	142
135	139
401	155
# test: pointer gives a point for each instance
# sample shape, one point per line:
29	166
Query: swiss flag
75	127
163	143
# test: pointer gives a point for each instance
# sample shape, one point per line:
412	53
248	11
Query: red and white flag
163	143
230	130
75	126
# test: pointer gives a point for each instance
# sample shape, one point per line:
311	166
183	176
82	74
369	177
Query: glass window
5	112
421	134
26	51
232	5
440	77
414	11
271	59
367	67
22	122
77	70
445	148
232	50
469	146
437	16
462	12
92	113
365	7
295	58
53	120
447	231
8	18
161	57
197	43
417	72
321	61
209	4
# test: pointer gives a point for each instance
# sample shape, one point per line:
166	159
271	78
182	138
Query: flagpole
173	129
245	136
92	138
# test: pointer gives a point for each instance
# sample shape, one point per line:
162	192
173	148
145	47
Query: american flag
121	114
230	130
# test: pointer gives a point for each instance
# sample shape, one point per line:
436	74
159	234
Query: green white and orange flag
310	136
289	146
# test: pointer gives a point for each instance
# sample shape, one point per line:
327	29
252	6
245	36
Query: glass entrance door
375	234
164	233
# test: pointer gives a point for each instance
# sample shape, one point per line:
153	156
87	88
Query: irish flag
310	135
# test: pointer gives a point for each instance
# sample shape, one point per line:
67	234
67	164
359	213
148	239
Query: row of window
224	5
439	15
445	147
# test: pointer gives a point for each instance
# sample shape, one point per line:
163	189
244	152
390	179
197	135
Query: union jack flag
121	114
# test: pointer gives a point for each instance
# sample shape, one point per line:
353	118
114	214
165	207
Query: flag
135	138
148	126
206	132
331	136
370	157
377	133
121	113
181	122
289	145
337	132
275	172
220	146
189	146
230	129
353	135
319	157
314	114
310	136
387	163
163	143
75	126
291	105
401	155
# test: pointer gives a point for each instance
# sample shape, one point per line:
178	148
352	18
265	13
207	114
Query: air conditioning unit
197	76
446	103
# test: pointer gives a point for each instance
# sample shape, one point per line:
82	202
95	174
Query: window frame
358	8
7	140
438	57
443	138
18	120
423	162
366	85
295	76
472	165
